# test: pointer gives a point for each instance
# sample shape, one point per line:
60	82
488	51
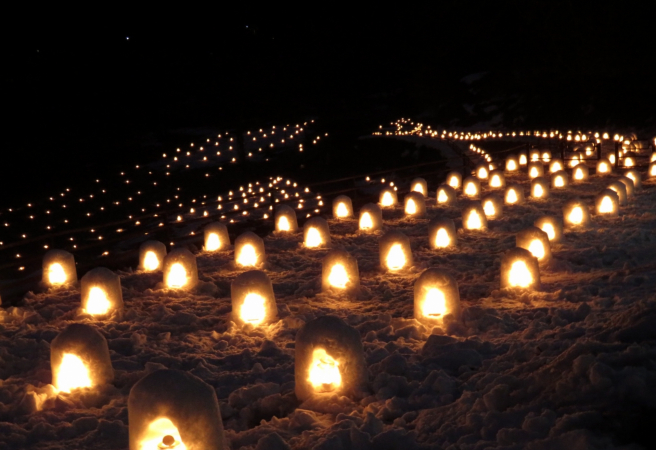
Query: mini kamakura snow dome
556	165
339	272
473	217
216	237
414	204
316	233
576	214
454	179
635	176
100	289
171	409
286	219
580	172
482	171
546	156
519	269
249	250
607	203
550	225
540	188
628	161
620	189
58	268
151	256
446	195
436	295
388	198
342	207
329	359
512	164
514	194
522	159
497	180
79	358
604	167
395	251
628	185
534	155
471	187
371	218
535	169
180	270
253	301
442	233
559	180
535	241
419	185
492	206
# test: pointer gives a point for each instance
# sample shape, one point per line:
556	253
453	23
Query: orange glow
283	224
578	174
213	243
512	165
434	305
454	182
162	434
606	205
313	238
489	208
496	180
442	197
396	257
536	248
342	210
576	215
549	229
365	221
534	172
97	303
387	200
442	238
247	256
559	181
72	374
338	277
474	220
177	276
511	196
253	310
419	188
538	191
520	275
523	160
482	172
410	207
324	373
603	167
471	190
150	261
56	274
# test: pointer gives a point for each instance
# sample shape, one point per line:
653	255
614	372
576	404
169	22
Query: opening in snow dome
454	179
316	233
180	270
446	195
620	189
342	207
339	272
550	225
576	214
652	169
286	219
79	358
482	171
635	176
523	159
371	218
534	155
497	180
388	198
395	251
436	295
329	359
628	185
559	180
535	169
216	237
629	161
604	167
519	269
58	268
492	206
540	188
514	195
414	204
249	250
546	156
100	289
471	187
419	185
442	233
607	203
556	165
611	159
535	241
652	157
473	217
171	409
253	301
580	172
512	164
151	256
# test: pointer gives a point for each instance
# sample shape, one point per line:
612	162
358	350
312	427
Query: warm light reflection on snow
213	243
97	302
434	305
56	274
324	371
442	238
253	310
150	261
72	374
313	238
365	221
162	434
520	275
247	256
177	276
338	277
396	257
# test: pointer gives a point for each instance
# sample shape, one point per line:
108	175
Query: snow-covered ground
570	366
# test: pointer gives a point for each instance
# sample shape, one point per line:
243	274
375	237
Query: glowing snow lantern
546	156
535	241
611	159
556	165
559	180
473	217
414	204
101	292
79	358
172	409
58	268
419	185
652	169
371	218
523	159
454	179
180	270
539	188
534	155
550	225
388	198
497	180
492	206
395	251
316	233
514	195
216	237
253	301
249	250
520	269
436	296
629	161
442	233
339	272
576	214
607	203
635	176
446	195
512	164
580	172
535	169
471	187
329	359
342	207
620	189
151	256
286	219
482	171
628	185
604	167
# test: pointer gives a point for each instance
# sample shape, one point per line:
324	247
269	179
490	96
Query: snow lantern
576	214
471	187
442	233
414	204
522	159
497	180
342	207
388	198
546	156
329	359
492	206
519	269
172	409
419	185
620	189
535	241
482	171
339	272
395	251
79	358
436	295
514	195
580	172
316	233
216	237
101	293
628	185
559	180
512	164
58	268
550	225
535	169
446	195
253	301
607	203
629	161
604	167
652	157
473	217
540	188
371	218
556	165
652	169
249	250
635	176
286	219
534	155
454	179
180	270
151	256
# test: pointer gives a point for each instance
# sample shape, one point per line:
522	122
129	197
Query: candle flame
434	305
534	172
512	165
283	224
470	189
482	172
396	257
338	277
253	310
537	190
489	208
606	205
213	243
97	303
365	221
578	174
342	210
454	182
511	196
522	160
56	274
495	181
442	238
72	374
474	220
442	197
177	276
158	431
603	167
313	238
410	207
520	275
150	261
324	373
387	200
247	256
